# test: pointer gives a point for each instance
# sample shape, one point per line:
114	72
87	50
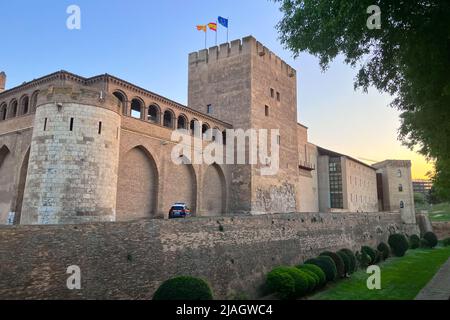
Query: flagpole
228	27
217	29
206	31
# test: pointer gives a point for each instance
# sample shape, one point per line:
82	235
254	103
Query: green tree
408	57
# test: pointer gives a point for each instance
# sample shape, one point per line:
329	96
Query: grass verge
401	278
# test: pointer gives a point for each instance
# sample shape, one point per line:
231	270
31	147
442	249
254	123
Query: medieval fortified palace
84	152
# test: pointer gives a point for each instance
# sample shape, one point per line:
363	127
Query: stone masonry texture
129	260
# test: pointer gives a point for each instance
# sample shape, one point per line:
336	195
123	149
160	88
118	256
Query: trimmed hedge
352	257
312	284
414	241
384	250
317	271
431	239
314	277
326	264
282	288
364	260
371	253
346	260
340	266
281	284
183	288
446	242
398	243
424	243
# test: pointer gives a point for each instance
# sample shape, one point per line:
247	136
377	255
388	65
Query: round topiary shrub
314	277
414	241
352	257
431	239
183	288
326	264
398	243
340	267
364	260
346	260
384	250
312	284
280	283
302	282
446	242
424	243
317	271
371	253
378	256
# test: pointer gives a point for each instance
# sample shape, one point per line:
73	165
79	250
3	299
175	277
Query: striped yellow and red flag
201	28
212	26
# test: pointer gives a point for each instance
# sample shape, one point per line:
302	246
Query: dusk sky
147	43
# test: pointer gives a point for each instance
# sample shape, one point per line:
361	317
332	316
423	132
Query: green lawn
401	278
437	212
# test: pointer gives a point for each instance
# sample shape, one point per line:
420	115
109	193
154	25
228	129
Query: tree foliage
408	57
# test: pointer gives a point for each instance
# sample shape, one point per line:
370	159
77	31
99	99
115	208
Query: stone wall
128	260
441	229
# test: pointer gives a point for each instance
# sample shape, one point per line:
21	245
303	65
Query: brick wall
128	260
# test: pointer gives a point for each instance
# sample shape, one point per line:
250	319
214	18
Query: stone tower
397	190
246	85
72	173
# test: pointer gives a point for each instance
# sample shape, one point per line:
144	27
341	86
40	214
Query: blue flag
223	22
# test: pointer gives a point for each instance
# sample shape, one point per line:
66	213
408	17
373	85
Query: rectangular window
100	127
266	111
335	176
278	96
208	109
71	124
45	124
278	139
272	93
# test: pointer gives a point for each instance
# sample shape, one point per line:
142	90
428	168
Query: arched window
224	136
3	110
400	187
193	126
168	119
13	108
399	173
24	105
136	108
153	114
205	128
402	205
205	133
122	101
216	135
33	103
182	122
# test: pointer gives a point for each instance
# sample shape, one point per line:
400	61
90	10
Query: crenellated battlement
248	45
